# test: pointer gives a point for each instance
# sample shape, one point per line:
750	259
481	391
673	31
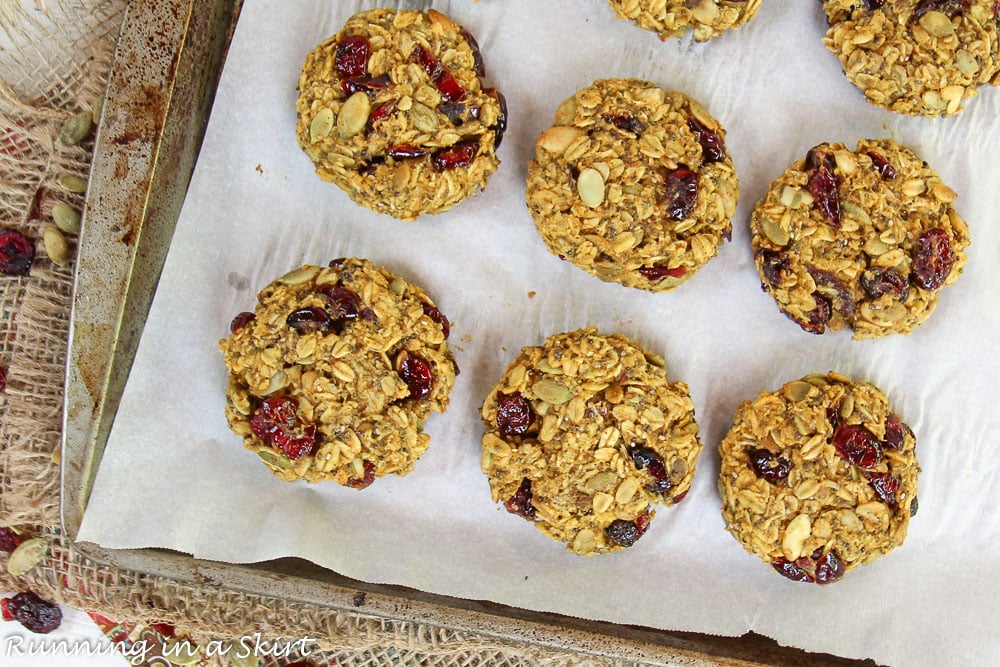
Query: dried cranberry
520	502
514	414
352	55
895	432
882	165
311	318
624	122
829	568
364	84
857	445
874	4
16	253
769	466
382	110
914	506
646	458
879	281
713	148
438	317
416	373
459	155
5	610
773	265
819	158
34	613
659	272
274	421
341	302
443	80
679	497
817	318
790	570
403	151
366	479
8	539
833	415
950	7
933	259
623	533
841	301
455	111
35	212
501	125
823	187
885	485
241	321
165	629
681	192
3	380
477	57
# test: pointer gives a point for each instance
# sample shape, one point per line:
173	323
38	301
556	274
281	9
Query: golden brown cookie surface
672	18
633	184
333	374
862	238
818	477
393	110
584	436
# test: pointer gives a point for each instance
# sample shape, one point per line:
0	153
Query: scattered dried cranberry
403	151
520	502
5	610
477	56
829	568
438	317
165	629
895	432
514	414
459	155
624	122
352	55
817	318
382	110
857	445
885	485
713	148
769	466
790	570
933	259
3	380
455	111
365	84
305	320
16	253
874	4
241	320
842	301
882	165
35	212
879	281
501	125
679	497
623	533
823	187
950	7
646	458
8	539
34	613
681	192
659	272
341	302
773	265
366	479
416	373
274	421
443	80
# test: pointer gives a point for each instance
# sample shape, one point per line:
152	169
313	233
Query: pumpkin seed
26	556
66	217
423	118
937	24
73	183
590	186
354	115
274	459
56	246
321	124
76	129
552	392
299	276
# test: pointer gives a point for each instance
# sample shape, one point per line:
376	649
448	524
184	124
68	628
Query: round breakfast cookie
393	109
584	435
863	239
333	374
633	184
916	57
818	477
672	18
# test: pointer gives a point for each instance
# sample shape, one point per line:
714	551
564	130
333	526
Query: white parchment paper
175	476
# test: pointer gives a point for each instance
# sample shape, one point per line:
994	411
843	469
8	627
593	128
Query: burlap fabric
55	59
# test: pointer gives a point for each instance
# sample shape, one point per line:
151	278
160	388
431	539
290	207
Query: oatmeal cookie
333	374
633	184
393	110
862	239
672	18
584	435
916	57
818	477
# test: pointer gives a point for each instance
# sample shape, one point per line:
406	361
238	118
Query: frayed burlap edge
58	65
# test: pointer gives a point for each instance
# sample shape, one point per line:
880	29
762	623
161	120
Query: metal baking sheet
167	64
